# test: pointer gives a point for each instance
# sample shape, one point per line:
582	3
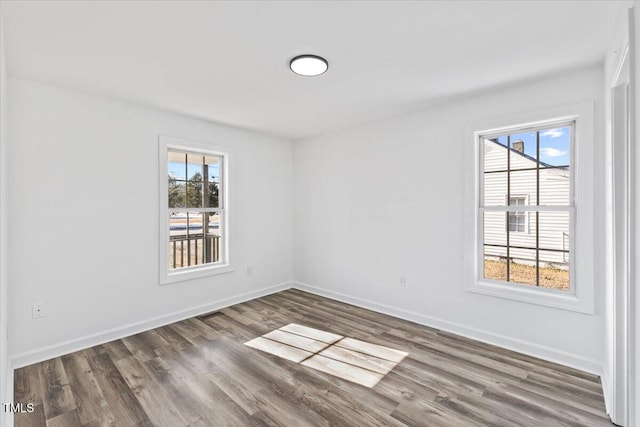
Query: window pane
522	268
177	223
555	145
194	194
214	172
176	193
176	165
212	196
495	241
495	189
194	166
517	201
554	232
495	268
495	175
206	244
554	274
495	228
495	157
195	224
213	166
188	245
517	222
555	187
211	241
554	236
523	187
214	224
523	151
177	239
517	219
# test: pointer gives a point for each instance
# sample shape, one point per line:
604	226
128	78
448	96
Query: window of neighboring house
517	220
525	240
193	224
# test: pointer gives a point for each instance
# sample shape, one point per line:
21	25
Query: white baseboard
606	391
552	355
515	344
49	352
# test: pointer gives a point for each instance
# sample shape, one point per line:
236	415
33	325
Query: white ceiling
228	61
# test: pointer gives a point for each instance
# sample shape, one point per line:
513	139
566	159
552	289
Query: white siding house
554	190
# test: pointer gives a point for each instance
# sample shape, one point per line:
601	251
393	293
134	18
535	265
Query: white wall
83	209
386	199
5	384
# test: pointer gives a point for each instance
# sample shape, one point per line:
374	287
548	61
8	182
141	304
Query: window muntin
526	206
196	211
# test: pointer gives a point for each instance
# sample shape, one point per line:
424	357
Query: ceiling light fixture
308	65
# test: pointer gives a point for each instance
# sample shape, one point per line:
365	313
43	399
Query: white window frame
167	275
581	296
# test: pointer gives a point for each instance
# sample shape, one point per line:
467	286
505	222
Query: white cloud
552	152
553	133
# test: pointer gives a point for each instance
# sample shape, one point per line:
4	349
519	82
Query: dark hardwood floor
198	373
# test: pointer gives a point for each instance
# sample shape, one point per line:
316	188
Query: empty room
319	213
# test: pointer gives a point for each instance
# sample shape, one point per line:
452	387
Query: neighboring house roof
526	156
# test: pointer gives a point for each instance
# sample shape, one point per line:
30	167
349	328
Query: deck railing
193	249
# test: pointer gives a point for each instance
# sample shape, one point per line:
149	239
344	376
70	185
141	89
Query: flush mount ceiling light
308	65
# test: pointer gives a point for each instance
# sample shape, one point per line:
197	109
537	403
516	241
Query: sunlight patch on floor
347	358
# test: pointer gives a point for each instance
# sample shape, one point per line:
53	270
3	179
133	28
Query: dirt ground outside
549	277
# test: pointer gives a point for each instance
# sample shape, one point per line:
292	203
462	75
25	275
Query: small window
194	215
517	220
526	206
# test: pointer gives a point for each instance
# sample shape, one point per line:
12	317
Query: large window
193	221
526	209
532	171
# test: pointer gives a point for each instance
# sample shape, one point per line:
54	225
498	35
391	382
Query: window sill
195	273
545	297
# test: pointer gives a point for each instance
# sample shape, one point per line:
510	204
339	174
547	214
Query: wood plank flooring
197	372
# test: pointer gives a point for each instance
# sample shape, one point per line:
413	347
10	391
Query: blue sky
176	170
554	144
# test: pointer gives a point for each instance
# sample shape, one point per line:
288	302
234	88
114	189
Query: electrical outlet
403	281
249	271
37	310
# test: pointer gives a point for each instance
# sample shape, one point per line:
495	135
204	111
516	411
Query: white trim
514	344
634	229
533	295
606	390
621	254
166	276
76	344
581	296
622	217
